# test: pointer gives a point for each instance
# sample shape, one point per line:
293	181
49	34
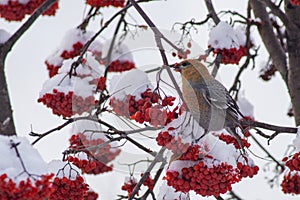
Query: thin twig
158	158
15	37
268	153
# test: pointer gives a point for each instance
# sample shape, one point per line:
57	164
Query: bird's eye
184	64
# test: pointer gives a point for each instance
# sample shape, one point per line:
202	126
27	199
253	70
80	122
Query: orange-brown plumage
207	99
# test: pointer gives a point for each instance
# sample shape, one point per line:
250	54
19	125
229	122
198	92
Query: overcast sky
26	72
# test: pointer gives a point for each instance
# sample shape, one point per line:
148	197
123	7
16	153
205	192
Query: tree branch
158	158
212	11
269	38
279	13
14	38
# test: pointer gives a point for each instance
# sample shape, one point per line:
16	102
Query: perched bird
207	99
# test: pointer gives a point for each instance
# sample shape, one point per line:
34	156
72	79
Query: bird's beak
176	67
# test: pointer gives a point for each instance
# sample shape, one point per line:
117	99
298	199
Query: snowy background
26	72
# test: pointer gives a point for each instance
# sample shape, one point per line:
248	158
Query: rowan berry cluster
120	66
208	180
291	181
40	189
75	51
295	2
268	73
293	163
129	186
103	3
183	151
67	104
65	188
100	83
232	140
52	69
16	11
91	195
97	158
149	182
76	38
150	107
230	56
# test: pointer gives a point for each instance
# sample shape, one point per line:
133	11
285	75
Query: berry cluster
246	170
40	189
291	183
232	140
100	83
91	195
103	3
75	51
295	2
97	158
67	104
149	108
120	66
203	180
52	69
15	11
179	149
293	163
129	186
208	181
232	55
65	188
266	74
76	38
149	182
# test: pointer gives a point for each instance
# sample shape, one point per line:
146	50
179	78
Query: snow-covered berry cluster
72	90
103	3
184	151
65	188
70	47
149	182
199	163
291	179
120	66
268	72
41	188
67	104
228	42
92	159
230	56
148	107
295	2
15	10
229	139
129	184
208	179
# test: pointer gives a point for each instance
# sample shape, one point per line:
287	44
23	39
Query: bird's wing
218	97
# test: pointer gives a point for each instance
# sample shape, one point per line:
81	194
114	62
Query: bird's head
191	66
184	65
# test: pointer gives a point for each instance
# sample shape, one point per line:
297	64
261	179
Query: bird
208	101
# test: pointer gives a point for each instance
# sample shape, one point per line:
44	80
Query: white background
26	72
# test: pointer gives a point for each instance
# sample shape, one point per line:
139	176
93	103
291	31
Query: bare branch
269	38
212	11
158	158
279	13
14	38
